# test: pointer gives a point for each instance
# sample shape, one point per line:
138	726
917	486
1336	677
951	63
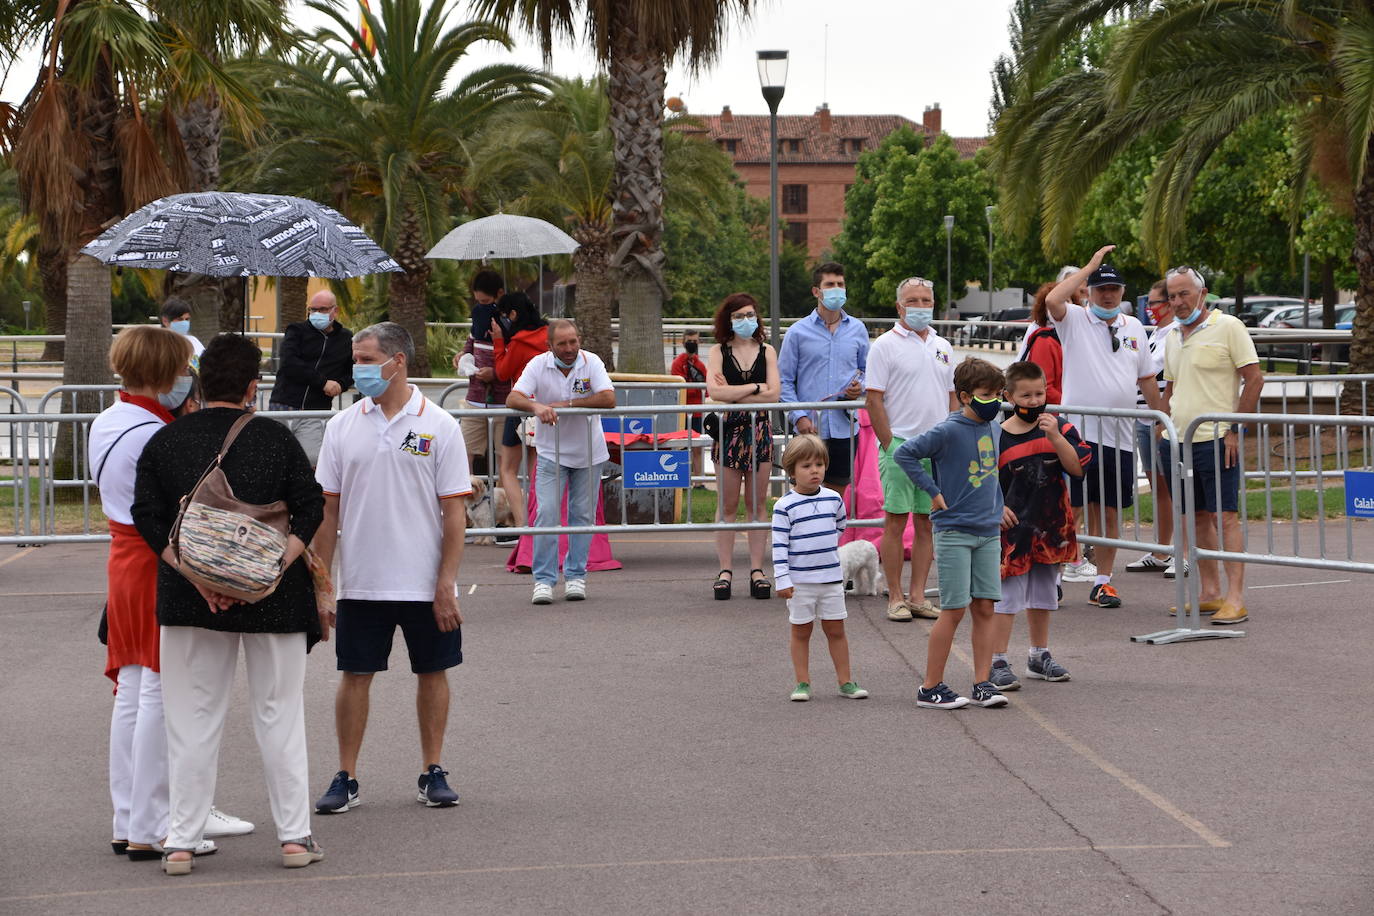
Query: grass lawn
68	514
1333	500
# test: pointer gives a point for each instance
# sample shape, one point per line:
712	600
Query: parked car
1020	316
1313	319
1256	307
968	332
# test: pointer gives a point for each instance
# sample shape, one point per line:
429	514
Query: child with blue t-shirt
806	563
967	516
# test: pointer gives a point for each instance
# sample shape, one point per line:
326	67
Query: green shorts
969	567
900	493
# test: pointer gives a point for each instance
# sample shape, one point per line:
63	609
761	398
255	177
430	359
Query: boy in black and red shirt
1037	450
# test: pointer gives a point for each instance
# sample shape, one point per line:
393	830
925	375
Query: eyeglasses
1186	271
1116	344
917	281
1155	303
321	310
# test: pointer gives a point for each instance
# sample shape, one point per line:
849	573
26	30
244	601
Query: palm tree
637	40
1192	73
557	161
380	137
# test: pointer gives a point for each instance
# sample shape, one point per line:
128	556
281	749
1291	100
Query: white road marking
1299	584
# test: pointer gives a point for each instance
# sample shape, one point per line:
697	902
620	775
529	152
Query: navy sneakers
342	795
939	697
434	790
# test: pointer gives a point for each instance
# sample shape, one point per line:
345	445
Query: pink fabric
869	500
598	558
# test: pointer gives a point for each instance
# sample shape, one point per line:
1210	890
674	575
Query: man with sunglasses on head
1106	362
910	390
1205	361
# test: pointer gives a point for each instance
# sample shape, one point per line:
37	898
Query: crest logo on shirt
418	443
582	386
942	356
1132	343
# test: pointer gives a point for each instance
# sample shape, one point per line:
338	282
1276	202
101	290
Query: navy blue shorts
1109	478
1210	488
840	471
510	432
364	630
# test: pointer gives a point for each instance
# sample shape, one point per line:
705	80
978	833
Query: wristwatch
757	388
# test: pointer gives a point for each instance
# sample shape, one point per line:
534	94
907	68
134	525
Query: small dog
487	507
859	561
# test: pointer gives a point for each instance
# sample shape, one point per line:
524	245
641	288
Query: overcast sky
884	57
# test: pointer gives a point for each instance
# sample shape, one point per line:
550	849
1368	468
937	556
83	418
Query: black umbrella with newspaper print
227	234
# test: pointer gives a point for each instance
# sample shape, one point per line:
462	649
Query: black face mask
1029	414
690	346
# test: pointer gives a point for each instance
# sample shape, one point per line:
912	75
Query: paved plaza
636	754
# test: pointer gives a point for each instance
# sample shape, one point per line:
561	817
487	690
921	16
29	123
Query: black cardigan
265	464
308	359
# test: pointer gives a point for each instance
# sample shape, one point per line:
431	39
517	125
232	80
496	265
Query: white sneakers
221	824
543	594
575	590
1080	572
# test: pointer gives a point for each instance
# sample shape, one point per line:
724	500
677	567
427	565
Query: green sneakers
801	693
852	691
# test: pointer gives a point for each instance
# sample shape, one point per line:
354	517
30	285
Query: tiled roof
750	133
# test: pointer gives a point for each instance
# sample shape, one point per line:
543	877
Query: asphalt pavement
637	754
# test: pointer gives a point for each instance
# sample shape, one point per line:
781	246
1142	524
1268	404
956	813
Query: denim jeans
582	485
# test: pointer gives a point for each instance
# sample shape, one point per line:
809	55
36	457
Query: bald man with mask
314	367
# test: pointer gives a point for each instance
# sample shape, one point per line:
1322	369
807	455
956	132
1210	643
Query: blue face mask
833	298
1105	314
562	365
320	320
177	396
1189	318
367	378
918	319
986	410
744	327
182	327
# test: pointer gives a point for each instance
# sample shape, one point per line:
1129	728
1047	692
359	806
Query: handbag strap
106	457
229	438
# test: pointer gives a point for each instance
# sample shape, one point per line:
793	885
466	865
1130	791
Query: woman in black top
202	630
744	447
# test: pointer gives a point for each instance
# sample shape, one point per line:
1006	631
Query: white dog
487	508
859	560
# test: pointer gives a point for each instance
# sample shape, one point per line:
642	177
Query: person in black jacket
315	367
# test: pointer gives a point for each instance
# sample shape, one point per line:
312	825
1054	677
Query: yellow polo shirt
1203	367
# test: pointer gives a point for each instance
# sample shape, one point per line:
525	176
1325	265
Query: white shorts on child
816	599
1034	589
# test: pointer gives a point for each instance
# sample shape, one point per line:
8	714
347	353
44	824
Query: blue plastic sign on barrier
632	426
656	469
1359	494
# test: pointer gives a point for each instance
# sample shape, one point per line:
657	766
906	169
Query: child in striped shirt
806	562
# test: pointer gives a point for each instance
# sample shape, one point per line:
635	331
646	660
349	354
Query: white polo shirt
567	441
389	476
1094	376
915	377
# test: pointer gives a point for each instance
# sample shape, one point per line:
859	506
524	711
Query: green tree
1200	69
380	137
637	40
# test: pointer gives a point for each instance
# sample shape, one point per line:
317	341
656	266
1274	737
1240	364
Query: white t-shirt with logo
915	377
574	442
1095	376
390	476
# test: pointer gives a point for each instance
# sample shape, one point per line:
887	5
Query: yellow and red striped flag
368	41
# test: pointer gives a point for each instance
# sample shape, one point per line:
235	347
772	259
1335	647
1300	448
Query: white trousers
198	674
138	757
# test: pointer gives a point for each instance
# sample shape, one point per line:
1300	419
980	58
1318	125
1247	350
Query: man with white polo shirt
394	469
1106	362
910	389
570	449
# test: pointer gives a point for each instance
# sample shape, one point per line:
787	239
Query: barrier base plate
1185	634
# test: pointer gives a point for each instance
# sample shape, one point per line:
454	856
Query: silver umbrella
503	235
225	234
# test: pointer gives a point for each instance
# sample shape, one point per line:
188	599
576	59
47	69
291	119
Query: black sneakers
342	795
434	791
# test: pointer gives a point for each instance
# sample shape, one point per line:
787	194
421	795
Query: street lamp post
773	80
949	235
988	211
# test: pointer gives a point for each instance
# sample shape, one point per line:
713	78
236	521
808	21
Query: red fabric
1048	354
625	440
149	404
679	368
131	608
598	557
512	357
867	497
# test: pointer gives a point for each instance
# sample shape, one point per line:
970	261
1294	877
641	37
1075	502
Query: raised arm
1059	297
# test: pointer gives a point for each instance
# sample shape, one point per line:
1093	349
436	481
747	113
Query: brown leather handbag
225	544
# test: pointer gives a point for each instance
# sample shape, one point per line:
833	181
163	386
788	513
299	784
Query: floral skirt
747	441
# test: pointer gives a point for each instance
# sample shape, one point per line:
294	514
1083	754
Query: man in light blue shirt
822	357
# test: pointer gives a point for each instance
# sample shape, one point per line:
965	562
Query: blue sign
1359	494
656	469
632	426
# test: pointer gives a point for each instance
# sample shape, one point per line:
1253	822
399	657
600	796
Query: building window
730	146
795	234
794	198
789	146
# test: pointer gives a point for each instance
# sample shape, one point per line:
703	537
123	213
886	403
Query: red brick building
816	158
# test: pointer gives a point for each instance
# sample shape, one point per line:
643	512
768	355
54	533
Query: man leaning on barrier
315	367
570	448
1203	362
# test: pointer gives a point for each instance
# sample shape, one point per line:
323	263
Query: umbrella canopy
503	235
224	234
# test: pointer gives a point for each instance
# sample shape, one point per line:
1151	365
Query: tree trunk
1362	335
291	300
52	270
595	290
409	291
88	358
199	124
1330	294
636	78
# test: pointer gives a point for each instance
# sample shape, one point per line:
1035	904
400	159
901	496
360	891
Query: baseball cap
1105	275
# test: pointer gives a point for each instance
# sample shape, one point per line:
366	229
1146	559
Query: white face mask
177	396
